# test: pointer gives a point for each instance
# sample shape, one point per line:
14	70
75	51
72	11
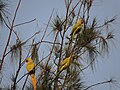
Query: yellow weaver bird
77	27
31	70
65	63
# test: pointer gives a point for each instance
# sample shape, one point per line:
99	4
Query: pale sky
108	66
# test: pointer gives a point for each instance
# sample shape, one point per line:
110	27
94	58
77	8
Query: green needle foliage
3	11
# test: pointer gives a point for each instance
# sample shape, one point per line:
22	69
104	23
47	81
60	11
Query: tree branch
24	23
10	33
100	83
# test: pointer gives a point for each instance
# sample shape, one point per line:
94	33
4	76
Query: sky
41	9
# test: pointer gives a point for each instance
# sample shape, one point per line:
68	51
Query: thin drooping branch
10	33
106	23
100	83
24	23
46	42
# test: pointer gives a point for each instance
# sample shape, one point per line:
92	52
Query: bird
77	27
30	67
65	63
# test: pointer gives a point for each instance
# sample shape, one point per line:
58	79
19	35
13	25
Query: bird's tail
33	81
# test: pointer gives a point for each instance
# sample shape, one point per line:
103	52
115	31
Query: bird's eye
82	22
26	60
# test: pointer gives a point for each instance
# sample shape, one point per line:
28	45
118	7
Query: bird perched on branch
77	27
31	70
65	63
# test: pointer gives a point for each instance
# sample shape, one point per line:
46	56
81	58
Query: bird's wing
74	28
30	67
65	64
65	61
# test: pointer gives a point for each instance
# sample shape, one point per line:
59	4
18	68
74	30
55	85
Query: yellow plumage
65	63
31	70
76	28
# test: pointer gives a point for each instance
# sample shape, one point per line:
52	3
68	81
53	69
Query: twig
24	23
106	23
41	60
100	83
40	76
22	77
45	42
25	82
